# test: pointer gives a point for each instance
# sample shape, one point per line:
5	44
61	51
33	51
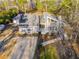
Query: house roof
49	16
23	19
17	17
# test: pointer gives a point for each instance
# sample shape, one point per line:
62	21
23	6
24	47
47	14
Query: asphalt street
25	48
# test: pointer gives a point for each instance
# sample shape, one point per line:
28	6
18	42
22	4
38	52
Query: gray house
50	23
27	23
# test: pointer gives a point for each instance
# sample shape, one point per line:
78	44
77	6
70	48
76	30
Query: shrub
6	16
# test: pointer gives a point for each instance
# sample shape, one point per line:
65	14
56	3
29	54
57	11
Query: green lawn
50	52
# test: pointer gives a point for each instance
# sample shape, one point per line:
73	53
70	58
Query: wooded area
67	8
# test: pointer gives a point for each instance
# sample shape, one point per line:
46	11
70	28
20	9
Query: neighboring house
50	24
27	23
23	25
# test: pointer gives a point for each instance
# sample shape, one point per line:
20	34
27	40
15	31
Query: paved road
50	41
25	48
6	40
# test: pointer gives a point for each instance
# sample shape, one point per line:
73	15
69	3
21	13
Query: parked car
2	27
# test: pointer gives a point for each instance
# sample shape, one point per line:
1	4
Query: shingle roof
17	17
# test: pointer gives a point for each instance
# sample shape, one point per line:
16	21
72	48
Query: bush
6	16
1	21
39	5
49	52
